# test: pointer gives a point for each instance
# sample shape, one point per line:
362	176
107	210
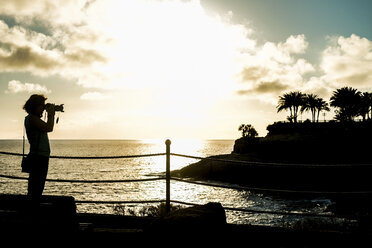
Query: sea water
142	168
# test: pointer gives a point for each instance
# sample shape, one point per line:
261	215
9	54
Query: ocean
141	168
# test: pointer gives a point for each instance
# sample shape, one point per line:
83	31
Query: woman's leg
37	177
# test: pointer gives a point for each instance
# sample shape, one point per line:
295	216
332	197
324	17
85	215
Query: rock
50	214
208	217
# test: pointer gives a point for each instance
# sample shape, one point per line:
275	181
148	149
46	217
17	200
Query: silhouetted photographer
37	161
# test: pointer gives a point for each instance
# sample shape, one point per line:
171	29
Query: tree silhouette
348	101
370	104
248	130
321	105
366	105
292	101
310	102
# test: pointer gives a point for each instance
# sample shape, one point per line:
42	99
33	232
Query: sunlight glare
170	62
174	47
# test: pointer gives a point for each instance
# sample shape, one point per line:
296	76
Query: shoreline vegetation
340	148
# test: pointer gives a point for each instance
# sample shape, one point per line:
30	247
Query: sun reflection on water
141	168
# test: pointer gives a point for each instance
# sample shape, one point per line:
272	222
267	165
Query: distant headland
321	143
343	140
346	141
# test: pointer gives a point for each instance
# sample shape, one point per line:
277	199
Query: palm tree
310	102
292	101
369	97
366	105
321	105
347	100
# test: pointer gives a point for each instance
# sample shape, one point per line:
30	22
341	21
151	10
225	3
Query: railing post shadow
167	176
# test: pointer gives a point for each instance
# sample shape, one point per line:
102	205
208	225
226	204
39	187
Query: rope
106	181
89	181
110	157
195	182
270	190
118	202
199	158
173	201
268	163
254	211
11	153
96	157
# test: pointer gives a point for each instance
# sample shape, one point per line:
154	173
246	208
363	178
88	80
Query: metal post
167	176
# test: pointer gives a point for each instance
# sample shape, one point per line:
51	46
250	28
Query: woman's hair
33	102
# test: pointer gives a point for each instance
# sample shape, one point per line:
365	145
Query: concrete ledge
49	214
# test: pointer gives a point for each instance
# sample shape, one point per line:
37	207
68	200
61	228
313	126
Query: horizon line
100	139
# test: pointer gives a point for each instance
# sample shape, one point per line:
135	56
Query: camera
56	107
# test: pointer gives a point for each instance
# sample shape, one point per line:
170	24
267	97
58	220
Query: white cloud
59	11
172	45
16	86
274	68
93	96
348	61
125	44
295	44
317	85
29	51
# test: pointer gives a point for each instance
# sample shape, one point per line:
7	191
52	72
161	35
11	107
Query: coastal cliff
308	142
304	156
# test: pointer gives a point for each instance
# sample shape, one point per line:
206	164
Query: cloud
56	12
348	61
16	86
93	96
295	44
274	68
22	49
173	45
124	44
25	50
265	87
254	73
84	57
26	59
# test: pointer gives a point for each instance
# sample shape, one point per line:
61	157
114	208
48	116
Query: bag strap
23	149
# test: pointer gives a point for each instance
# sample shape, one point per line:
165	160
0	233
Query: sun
171	45
186	60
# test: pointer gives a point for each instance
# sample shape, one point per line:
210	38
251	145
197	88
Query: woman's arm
42	125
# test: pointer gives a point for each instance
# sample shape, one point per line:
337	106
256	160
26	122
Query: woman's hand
49	108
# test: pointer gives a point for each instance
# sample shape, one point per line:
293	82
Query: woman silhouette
37	135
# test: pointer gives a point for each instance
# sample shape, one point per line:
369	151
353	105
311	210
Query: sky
177	69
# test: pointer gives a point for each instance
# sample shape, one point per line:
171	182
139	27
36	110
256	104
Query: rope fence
269	163
89	181
167	177
95	157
